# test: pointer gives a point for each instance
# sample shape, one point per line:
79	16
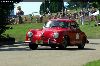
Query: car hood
56	29
47	32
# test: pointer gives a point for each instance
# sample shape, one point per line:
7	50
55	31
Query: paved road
21	55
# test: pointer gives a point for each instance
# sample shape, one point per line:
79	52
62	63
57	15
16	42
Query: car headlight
56	35
30	34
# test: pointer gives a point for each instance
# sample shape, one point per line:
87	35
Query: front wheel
53	46
33	46
64	43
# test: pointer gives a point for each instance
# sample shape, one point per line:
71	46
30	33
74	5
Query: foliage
56	6
92	31
19	30
5	9
77	5
84	3
93	63
44	6
96	4
53	6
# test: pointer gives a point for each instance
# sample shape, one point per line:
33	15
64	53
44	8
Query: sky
29	7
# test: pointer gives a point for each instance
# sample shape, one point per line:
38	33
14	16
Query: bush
6	39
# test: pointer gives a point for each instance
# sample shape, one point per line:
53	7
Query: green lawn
19	30
93	63
91	30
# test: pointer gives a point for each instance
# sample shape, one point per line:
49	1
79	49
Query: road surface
21	55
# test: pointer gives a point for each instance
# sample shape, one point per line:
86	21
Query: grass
91	30
19	30
93	63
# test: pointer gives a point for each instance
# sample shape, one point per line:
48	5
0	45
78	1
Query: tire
81	45
64	44
33	46
53	46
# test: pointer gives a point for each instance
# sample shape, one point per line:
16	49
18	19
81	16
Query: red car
57	33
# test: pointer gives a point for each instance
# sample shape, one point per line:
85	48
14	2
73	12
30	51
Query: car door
76	33
72	33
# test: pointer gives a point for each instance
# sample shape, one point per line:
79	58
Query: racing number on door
77	35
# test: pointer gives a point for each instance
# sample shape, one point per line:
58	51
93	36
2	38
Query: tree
44	6
4	15
42	10
53	6
84	3
96	4
56	6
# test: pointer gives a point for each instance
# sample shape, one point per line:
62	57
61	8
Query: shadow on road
15	47
23	47
27	49
69	49
95	43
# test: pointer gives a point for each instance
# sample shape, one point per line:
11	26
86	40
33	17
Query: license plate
39	41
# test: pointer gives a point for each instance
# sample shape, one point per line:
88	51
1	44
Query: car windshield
51	24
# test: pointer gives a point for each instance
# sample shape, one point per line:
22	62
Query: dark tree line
83	4
52	5
58	5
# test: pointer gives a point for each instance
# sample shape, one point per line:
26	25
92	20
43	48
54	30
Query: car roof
63	20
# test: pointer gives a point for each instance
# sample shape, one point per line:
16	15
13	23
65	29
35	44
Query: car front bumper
43	42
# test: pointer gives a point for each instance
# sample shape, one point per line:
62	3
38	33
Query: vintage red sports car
57	33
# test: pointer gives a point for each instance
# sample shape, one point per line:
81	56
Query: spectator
41	18
31	17
19	14
36	19
70	15
82	17
54	17
89	16
93	10
75	15
25	19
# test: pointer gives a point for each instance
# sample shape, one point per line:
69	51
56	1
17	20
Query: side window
64	24
61	24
